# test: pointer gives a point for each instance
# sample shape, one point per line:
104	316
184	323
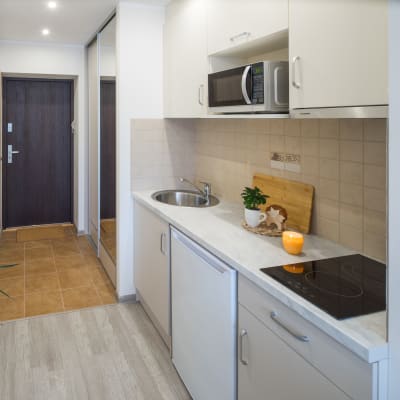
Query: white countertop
219	230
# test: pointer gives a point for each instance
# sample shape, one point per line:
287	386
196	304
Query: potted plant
252	199
6	266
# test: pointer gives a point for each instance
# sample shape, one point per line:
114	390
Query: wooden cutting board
295	197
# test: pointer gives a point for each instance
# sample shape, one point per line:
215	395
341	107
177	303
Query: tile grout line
58	276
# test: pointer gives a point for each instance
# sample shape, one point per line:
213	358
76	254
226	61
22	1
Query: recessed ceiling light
45	32
52	4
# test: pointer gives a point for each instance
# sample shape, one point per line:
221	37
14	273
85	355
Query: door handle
294	81
298	336
10	153
201	95
244	88
163	239
243	333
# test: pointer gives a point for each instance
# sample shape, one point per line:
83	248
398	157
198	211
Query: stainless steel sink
184	198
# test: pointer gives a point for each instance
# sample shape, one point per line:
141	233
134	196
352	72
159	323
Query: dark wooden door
37	185
107	149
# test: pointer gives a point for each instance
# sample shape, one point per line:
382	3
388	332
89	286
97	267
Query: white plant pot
254	217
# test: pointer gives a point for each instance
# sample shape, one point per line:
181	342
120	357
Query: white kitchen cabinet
185	59
338	51
234	22
269	368
283	345
152	270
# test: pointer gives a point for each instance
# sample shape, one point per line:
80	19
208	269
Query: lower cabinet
269	369
152	270
281	356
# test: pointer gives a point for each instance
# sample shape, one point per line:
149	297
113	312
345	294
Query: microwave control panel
257	72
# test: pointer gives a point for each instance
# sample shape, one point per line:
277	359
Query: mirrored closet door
107	140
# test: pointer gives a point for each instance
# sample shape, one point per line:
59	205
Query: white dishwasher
204	320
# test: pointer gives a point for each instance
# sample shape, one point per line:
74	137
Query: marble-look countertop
219	230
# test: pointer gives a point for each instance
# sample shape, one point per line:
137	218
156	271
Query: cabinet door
185	59
340	49
233	22
151	263
269	369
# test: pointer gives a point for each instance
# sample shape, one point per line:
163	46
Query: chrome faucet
205	192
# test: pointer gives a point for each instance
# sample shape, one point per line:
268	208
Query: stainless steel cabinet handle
201	95
163	238
243	333
244	88
294	82
298	336
239	35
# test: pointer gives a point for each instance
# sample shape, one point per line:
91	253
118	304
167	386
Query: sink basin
184	198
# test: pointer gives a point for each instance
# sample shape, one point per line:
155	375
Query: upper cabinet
232	23
185	59
338	51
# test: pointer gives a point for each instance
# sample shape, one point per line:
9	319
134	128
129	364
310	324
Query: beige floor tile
66	251
8	256
8	236
80	298
38	244
38	253
107	293
11	308
43	303
39	283
40	232
14	287
72	278
12	272
99	276
40	266
75	261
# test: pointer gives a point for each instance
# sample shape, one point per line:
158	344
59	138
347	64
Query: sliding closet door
94	106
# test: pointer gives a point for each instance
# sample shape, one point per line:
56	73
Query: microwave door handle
276	94
244	88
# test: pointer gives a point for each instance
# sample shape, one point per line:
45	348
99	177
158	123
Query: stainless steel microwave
262	87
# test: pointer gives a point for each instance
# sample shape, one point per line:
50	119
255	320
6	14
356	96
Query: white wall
47	60
394	201
139	95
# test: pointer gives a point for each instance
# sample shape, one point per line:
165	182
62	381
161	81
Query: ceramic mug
254	217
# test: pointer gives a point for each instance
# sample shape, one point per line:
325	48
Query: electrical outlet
277	160
292	162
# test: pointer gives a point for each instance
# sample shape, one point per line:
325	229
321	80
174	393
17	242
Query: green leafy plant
2	267
253	198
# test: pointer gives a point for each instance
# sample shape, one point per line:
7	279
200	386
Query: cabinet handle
243	333
239	35
302	338
201	95
294	82
162	243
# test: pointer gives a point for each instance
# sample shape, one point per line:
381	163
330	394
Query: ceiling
71	22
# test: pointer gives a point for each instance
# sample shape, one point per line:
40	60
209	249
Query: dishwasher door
204	320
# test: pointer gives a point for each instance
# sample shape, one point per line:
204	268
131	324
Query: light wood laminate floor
105	353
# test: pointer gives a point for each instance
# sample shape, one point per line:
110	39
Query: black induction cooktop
344	287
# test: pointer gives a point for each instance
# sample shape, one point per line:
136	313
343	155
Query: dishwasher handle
211	260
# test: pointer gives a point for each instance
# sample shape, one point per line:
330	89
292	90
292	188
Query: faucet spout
205	192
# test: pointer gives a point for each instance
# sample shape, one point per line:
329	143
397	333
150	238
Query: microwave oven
262	87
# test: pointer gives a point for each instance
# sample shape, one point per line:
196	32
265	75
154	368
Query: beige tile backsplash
162	151
345	160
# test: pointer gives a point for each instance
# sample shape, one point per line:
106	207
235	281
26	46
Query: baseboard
130	298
